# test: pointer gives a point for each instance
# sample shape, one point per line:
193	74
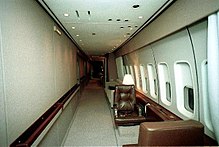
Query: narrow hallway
92	125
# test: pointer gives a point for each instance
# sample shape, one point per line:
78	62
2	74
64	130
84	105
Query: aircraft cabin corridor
109	73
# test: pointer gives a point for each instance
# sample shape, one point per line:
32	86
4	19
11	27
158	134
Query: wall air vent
136	6
89	14
77	13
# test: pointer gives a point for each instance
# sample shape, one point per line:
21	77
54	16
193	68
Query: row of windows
146	80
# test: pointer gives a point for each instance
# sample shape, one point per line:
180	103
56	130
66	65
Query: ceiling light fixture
77	35
109	19
140	17
66	14
73	28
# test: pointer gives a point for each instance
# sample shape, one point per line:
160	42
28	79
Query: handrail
68	94
82	79
28	137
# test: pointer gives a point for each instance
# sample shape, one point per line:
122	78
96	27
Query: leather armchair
171	133
126	111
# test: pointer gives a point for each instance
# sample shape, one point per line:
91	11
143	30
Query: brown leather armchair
126	111
170	133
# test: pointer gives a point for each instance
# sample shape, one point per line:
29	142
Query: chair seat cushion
129	119
124	105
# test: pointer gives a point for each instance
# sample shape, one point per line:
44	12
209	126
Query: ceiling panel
101	26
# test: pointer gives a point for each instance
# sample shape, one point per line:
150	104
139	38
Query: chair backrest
171	133
124	97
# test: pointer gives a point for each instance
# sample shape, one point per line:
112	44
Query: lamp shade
128	80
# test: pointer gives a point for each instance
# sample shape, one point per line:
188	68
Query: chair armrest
115	112
139	110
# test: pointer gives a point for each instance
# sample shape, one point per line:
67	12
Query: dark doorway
97	69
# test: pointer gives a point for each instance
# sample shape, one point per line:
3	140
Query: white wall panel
179	15
72	65
3	133
171	50
137	76
120	69
164	83
29	61
112	71
131	67
143	79
145	58
39	65
199	38
61	47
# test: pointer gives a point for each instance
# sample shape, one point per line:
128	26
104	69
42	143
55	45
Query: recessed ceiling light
77	35
129	26
118	19
73	28
109	19
93	33
127	33
140	17
136	26
66	14
126	20
80	40
136	6
121	27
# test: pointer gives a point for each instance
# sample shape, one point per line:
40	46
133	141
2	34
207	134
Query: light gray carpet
92	125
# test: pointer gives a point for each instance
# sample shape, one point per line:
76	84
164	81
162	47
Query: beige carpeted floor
92	125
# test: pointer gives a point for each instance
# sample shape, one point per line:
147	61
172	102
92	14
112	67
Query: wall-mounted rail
35	133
